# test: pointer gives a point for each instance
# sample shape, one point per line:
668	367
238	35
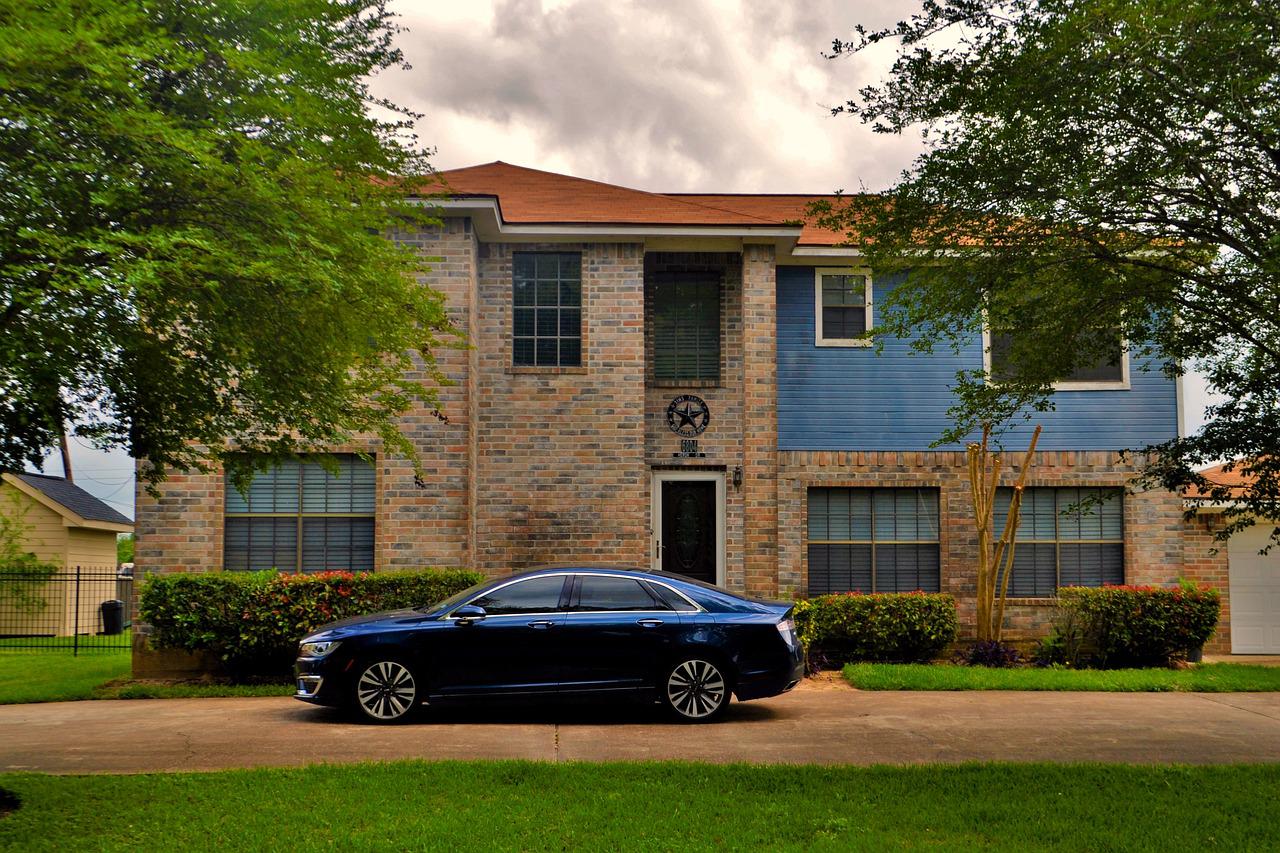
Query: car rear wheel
386	691
696	690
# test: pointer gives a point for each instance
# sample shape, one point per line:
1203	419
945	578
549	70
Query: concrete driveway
815	723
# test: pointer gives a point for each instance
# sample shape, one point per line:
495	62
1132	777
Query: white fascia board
490	207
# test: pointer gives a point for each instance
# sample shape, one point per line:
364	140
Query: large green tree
195	198
1091	169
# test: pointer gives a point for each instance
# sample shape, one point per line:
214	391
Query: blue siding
837	398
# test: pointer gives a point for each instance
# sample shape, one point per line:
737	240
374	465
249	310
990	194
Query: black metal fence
84	609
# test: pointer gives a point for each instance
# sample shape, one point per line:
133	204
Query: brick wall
560	471
417	525
1153	549
722	440
1204	559
760	420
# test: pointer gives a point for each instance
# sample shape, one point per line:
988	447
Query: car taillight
787	629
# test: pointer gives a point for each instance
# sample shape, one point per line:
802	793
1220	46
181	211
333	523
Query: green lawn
1205	678
533	806
57	676
60	677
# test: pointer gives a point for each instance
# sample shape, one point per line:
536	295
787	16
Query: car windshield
456	598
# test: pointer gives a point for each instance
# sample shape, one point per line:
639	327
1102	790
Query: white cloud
706	95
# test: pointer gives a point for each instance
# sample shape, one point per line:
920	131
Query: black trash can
112	616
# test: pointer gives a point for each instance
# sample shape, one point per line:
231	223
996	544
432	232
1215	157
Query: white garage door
1255	592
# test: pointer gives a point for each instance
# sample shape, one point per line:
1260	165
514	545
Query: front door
688	534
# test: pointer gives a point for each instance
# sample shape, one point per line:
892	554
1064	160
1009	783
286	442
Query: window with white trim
1066	537
299	517
842	306
1110	369
873	540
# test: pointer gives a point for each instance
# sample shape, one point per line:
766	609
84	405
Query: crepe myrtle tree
1093	171
195	200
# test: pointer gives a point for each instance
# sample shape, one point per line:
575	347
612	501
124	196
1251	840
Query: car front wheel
696	690
386	691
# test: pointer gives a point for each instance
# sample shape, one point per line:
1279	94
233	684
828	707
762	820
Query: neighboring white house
1253	578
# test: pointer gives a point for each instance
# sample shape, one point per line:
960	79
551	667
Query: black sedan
558	633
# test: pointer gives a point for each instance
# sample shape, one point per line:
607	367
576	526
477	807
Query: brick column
760	419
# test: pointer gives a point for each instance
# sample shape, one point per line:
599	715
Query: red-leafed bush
253	620
1142	625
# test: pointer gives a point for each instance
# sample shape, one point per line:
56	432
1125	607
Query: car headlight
318	649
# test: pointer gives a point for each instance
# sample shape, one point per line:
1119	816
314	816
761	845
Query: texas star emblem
688	415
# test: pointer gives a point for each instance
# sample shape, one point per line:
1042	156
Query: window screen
844	306
300	517
1066	537
547	309
873	540
686	326
1105	368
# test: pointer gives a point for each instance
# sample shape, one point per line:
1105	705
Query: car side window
535	595
599	593
672	599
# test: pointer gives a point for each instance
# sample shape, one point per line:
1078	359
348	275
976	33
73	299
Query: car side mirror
468	613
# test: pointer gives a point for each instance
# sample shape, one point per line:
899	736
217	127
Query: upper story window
842	299
686	327
1107	371
547	309
1066	537
873	540
298	517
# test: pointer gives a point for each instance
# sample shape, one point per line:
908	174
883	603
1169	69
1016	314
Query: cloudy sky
693	95
667	95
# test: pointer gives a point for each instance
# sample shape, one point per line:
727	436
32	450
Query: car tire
386	690
696	689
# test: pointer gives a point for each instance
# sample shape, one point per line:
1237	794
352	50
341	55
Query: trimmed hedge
891	627
254	620
1142	625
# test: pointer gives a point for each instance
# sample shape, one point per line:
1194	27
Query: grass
57	676
1204	678
545	806
60	677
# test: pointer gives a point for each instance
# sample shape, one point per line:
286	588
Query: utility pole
66	453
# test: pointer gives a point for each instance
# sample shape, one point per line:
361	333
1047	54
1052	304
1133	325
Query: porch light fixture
737	476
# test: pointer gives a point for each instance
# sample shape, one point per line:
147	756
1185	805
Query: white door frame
655	524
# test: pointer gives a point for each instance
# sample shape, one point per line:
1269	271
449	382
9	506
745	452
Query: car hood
352	624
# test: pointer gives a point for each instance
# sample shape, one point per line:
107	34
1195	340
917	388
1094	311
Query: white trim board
655	516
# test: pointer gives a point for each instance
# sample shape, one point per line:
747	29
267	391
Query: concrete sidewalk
815	723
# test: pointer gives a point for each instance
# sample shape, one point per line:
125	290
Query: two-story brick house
678	381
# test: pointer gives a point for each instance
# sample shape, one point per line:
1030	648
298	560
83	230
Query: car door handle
649	623
541	624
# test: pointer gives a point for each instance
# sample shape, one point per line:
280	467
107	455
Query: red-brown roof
779	208
1235	480
532	196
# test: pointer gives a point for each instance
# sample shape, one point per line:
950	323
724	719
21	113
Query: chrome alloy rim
696	689
386	690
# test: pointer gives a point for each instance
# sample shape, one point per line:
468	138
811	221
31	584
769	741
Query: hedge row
253	620
1141	625
889	627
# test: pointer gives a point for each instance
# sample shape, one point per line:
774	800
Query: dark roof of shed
73	497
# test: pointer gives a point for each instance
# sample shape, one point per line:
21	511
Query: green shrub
253	620
889	627
1142	625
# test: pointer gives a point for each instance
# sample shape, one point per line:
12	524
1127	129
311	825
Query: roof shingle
531	196
73	497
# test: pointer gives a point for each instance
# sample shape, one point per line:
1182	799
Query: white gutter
490	206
